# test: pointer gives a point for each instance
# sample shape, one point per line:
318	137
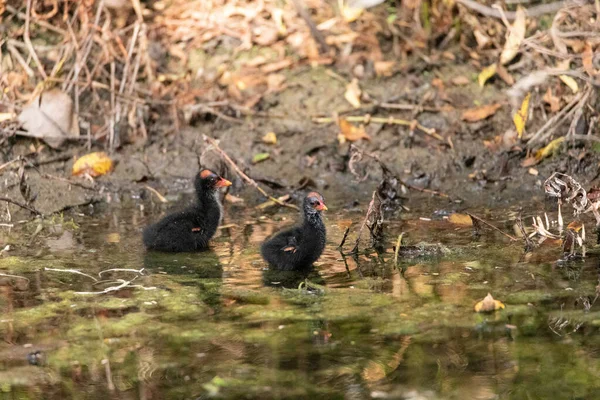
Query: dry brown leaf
351	132
587	59
551	100
275	82
528	162
460	219
353	93
479	113
505	75
460	80
52	118
93	164
488	304
516	34
384	68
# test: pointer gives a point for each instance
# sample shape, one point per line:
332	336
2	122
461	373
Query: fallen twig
492	226
27	41
381	120
370	211
531	12
161	198
245	177
137	271
22	205
398	244
13	276
556	121
314	31
408	107
341	245
71	271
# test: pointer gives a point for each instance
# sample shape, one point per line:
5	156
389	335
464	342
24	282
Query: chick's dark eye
314	203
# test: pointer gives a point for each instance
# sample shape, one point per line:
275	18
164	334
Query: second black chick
299	247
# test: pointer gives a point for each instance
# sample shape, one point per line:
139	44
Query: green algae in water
216	323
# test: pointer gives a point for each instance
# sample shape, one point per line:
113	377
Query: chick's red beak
321	207
222	182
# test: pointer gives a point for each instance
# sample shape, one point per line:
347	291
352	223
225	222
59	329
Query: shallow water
219	324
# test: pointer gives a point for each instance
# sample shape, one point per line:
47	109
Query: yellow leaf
549	149
93	164
488	304
270	138
486	74
516	34
353	92
460	219
351	132
260	157
479	113
520	117
349	13
570	82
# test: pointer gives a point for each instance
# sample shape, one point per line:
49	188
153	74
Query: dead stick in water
398	243
245	177
364	223
344	238
493	227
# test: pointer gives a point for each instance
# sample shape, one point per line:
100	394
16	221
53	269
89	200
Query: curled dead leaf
351	133
488	304
479	113
516	34
384	68
551	100
587	57
51	117
93	164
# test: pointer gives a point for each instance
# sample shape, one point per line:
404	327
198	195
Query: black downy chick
191	229
299	247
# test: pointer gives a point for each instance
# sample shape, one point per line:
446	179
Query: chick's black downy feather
299	247
191	229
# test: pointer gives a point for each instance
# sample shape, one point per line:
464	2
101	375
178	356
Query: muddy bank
460	165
